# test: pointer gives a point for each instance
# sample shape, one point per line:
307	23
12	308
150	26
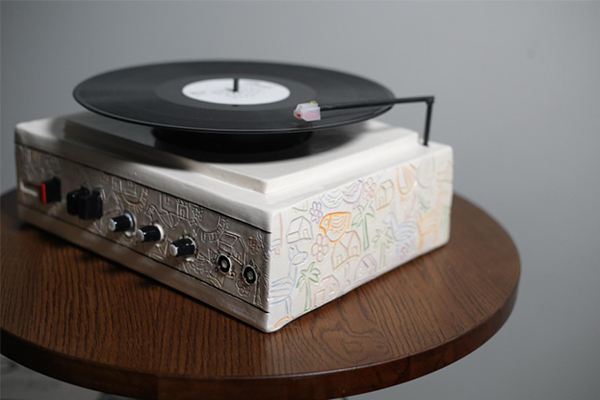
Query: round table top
78	317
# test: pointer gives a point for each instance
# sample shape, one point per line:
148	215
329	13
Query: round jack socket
224	264
249	275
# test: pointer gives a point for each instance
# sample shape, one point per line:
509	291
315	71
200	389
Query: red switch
49	191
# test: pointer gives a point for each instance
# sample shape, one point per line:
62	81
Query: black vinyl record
202	96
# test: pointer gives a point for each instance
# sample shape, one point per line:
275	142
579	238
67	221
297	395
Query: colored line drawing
351	193
320	247
335	225
365	270
368	191
281	289
403	231
428	225
383	240
300	229
384	196
444	173
308	277
361	219
332	199
346	249
410	212
426	172
423	203
282	322
316	211
406	178
327	290
405	250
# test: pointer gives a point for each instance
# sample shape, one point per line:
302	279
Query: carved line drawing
151	206
300	229
335	225
308	277
281	289
346	249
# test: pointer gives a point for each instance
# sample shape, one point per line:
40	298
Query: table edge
325	384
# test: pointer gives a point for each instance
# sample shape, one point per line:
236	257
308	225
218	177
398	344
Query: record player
227	182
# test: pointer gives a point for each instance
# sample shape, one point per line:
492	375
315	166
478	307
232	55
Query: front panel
221	251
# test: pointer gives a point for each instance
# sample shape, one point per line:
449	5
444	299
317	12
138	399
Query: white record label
250	91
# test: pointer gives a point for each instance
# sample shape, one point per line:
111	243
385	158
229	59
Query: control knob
89	206
121	223
182	247
149	233
73	200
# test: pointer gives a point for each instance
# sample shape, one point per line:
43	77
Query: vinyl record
227	97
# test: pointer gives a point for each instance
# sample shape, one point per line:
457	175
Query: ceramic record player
198	175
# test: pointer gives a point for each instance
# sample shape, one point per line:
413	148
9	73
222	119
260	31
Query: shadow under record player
265	190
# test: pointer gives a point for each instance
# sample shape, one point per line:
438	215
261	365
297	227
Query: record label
249	91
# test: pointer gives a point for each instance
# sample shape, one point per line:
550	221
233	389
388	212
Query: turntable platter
227	97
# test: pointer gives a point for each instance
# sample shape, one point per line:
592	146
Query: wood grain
75	316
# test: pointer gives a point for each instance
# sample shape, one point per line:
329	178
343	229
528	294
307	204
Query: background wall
517	90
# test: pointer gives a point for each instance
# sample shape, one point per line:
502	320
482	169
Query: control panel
217	249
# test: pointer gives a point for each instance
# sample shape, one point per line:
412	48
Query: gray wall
518	96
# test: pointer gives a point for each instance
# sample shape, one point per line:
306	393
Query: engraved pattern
319	249
357	231
213	233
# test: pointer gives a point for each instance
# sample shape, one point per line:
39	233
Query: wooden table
75	316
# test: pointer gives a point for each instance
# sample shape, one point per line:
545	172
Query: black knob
49	190
182	247
149	233
249	275
224	264
121	223
89	205
73	200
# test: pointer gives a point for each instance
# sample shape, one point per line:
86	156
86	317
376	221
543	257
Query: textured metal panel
213	233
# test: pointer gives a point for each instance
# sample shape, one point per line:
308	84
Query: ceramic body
351	205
